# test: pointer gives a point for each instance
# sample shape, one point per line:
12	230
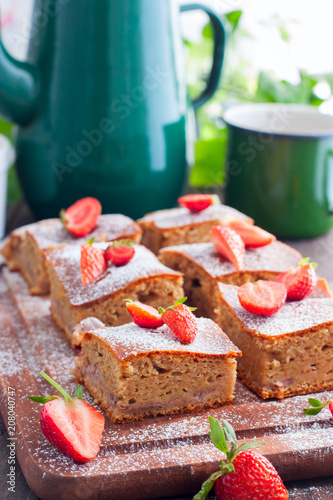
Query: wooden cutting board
157	457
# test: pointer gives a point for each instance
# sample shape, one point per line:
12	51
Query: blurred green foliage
235	87
14	192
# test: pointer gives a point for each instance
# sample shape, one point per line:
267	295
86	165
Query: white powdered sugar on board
276	257
178	217
66	264
293	317
128	341
51	232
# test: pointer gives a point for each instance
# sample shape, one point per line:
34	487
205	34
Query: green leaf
78	394
312	411
216	435
91	241
229	432
233	18
227	467
14	191
316	402
284	34
210	156
42	400
249	446
207	31
56	386
207	486
128	300
161	310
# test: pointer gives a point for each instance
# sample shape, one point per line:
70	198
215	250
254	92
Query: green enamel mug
279	167
102	104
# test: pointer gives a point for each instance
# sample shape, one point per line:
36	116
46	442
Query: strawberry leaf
227	467
216	435
180	301
248	446
312	411
229	432
78	394
42	400
316	402
128	300
207	486
91	241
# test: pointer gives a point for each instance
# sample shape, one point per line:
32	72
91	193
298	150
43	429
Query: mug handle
328	180
219	43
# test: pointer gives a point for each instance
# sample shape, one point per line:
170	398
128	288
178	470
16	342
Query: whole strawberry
71	425
143	315
180	320
246	474
299	282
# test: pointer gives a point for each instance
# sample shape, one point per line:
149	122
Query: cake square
177	226
285	354
26	247
135	372
203	267
143	278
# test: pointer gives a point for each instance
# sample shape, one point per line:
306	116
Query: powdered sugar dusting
66	264
292	317
51	232
130	340
276	257
178	217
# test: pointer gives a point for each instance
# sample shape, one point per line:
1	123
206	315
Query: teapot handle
219	44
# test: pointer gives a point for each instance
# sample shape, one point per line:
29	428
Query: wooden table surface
320	250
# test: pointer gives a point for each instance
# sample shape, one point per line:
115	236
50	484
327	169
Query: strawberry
299	282
71	425
317	406
120	252
180	320
321	290
81	217
144	315
92	262
246	474
198	202
263	298
253	236
228	243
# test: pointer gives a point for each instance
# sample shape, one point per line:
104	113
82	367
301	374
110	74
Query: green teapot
102	105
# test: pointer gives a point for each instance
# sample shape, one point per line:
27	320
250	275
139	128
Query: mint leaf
207	486
217	435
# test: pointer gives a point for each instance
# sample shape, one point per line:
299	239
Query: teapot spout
18	89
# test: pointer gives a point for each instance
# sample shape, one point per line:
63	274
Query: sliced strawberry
180	320
92	263
81	217
253	236
321	290
228	243
71	425
263	298
299	282
198	202
120	252
143	315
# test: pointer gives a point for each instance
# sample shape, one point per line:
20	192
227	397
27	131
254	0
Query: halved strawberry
228	243
81	217
321	290
299	282
120	252
263	298
71	425
92	263
143	315
198	202
180	320
253	236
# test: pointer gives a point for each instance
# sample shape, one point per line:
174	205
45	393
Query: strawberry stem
56	386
